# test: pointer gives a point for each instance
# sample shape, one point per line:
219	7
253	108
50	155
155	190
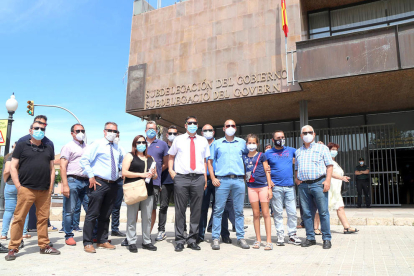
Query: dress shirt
72	152
96	160
311	162
229	156
214	162
181	149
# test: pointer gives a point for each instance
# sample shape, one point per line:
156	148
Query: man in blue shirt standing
281	160
228	178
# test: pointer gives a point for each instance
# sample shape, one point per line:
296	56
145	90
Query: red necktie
192	154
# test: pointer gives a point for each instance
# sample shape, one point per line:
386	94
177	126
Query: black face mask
279	143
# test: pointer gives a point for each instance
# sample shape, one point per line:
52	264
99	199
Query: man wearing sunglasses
228	178
188	168
101	161
75	181
313	171
33	173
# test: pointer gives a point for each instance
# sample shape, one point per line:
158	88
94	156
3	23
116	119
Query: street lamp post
11	105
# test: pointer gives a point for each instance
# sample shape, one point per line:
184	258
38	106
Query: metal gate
375	143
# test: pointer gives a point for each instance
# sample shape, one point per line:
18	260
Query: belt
190	174
314	180
232	176
78	177
104	180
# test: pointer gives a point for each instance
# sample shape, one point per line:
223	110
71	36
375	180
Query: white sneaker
293	239
280	241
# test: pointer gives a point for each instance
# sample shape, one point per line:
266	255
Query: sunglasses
233	126
192	123
141	143
207	130
39	122
307	132
39	149
41	128
172	133
112	130
80	130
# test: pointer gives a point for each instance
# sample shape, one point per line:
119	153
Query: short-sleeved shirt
362	168
281	165
158	149
45	140
72	152
34	164
259	174
229	156
166	177
214	162
311	162
9	180
138	166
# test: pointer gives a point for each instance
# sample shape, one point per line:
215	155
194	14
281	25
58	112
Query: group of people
191	168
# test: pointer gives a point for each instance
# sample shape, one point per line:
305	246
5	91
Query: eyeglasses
112	130
233	126
192	123
80	130
307	132
41	128
172	133
39	149
40	122
141	142
207	130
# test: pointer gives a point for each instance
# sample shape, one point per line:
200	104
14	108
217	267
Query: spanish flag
284	18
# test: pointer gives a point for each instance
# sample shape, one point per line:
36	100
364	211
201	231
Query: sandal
318	232
27	236
350	230
269	246
256	245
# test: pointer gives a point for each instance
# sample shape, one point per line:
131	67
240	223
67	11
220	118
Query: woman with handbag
139	194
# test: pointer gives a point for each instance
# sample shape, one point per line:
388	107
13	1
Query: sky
68	53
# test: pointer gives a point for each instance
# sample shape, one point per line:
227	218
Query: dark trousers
187	188
117	206
167	192
101	202
364	185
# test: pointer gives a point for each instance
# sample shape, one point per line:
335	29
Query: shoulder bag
136	191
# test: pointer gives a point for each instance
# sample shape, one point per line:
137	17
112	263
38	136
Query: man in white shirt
189	152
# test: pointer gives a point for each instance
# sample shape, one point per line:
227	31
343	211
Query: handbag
251	178
136	191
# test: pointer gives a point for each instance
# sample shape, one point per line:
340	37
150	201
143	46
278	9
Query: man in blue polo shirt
228	178
158	149
281	160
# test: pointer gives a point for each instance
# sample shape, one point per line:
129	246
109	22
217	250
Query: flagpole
287	66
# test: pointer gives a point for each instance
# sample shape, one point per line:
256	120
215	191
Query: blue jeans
287	196
236	188
76	213
78	190
208	193
309	195
117	206
10	197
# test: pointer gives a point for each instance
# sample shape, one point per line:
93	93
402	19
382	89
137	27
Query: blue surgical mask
38	134
192	128
151	133
141	148
334	153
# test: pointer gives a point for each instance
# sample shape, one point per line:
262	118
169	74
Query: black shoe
369	206
245	227
308	243
193	246
133	248
209	230
179	247
149	247
118	234
233	229
226	240
3	249
124	242
21	245
327	244
358	206
199	240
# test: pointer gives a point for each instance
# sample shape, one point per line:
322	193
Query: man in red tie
188	168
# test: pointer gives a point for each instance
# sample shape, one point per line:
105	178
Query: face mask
80	136
38	134
151	133
208	135
279	143
308	138
230	131
110	136
171	138
334	153
192	128
251	147
141	148
116	140
361	163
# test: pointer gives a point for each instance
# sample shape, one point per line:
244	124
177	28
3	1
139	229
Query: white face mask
251	147
110	136
230	131
116	140
308	138
80	136
171	138
208	135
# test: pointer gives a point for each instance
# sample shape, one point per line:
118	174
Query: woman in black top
133	168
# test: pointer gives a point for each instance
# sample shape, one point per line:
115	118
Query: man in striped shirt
313	171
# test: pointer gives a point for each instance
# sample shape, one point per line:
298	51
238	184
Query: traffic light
30	108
